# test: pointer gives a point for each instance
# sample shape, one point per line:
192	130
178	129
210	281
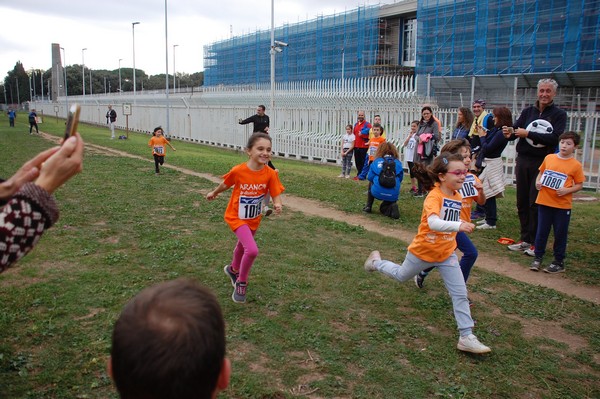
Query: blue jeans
559	220
453	279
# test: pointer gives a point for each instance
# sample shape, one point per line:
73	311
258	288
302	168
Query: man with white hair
532	148
111	118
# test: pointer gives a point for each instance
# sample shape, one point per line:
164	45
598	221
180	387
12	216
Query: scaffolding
458	38
342	45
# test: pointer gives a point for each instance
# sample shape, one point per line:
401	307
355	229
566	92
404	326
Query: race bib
468	188
553	180
160	150
250	207
450	211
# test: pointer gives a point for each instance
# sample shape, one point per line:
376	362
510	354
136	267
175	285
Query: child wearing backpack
385	176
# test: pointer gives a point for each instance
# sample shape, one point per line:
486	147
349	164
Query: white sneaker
530	251
369	266
470	343
341	175
485	226
520	246
482	221
347	176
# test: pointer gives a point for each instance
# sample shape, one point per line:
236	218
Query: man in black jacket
260	120
532	148
111	118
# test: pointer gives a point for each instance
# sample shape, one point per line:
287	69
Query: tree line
22	85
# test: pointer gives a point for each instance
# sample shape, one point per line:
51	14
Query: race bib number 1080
553	180
250	207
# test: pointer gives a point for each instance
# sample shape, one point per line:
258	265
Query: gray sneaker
520	246
239	293
369	266
555	267
536	265
232	276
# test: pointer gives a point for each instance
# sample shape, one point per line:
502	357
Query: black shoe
367	209
555	267
419	280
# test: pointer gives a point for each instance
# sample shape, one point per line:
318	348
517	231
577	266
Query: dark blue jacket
492	145
556	116
384	193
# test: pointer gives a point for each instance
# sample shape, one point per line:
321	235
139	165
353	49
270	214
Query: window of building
409	42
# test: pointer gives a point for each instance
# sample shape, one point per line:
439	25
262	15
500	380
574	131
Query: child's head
259	149
377	119
414	126
158	131
349	129
568	142
169	342
377	129
459	146
386	148
255	138
445	162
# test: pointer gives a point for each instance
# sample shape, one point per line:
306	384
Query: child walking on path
471	190
434	244
560	176
347	152
251	181
158	142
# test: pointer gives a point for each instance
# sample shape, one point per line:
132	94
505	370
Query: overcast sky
29	27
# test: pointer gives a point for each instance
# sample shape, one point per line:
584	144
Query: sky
104	28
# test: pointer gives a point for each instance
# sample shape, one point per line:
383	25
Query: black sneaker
232	276
420	280
367	209
555	267
536	265
239	292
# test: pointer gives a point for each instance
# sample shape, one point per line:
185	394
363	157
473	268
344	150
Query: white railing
308	120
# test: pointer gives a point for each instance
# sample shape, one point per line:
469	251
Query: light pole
174	81
272	52
83	72
133	24
167	71
120	90
66	88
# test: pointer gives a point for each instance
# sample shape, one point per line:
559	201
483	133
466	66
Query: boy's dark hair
169	343
429	175
262	107
377	125
570	135
255	136
156	129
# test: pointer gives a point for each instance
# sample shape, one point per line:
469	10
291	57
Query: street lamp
276	47
66	88
133	24
120	89
83	72
174	81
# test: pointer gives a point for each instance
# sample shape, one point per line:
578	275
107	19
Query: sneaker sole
471	350
552	272
236	301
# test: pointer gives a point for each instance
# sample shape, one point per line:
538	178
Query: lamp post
120	89
174	81
83	72
66	87
168	131
272	52
133	24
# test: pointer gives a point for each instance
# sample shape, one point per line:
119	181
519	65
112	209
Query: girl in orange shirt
159	143
435	242
251	181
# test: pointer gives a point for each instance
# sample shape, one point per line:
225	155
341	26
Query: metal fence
308	120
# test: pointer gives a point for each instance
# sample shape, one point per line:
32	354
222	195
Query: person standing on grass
169	343
159	143
33	122
560	176
346	153
428	135
532	148
361	139
410	150
471	190
251	181
435	242
111	118
11	117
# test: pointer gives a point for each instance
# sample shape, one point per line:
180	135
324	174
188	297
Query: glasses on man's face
458	172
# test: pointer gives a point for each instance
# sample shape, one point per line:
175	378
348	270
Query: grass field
315	325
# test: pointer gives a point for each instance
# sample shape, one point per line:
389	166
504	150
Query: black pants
359	159
31	125
387	208
526	173
158	159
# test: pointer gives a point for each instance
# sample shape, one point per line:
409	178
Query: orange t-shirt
469	194
436	246
373	145
249	190
159	145
556	173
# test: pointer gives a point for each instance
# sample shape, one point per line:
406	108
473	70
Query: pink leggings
244	252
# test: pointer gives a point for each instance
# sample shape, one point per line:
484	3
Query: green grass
315	321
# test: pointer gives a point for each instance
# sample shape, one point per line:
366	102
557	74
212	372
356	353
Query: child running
434	244
560	176
347	151
471	189
250	181
158	142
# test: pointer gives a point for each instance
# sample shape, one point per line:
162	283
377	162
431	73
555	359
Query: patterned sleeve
23	220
